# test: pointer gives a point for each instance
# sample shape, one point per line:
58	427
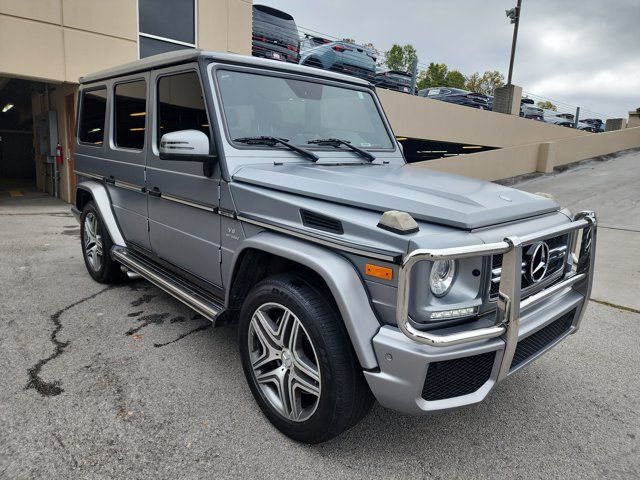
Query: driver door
184	227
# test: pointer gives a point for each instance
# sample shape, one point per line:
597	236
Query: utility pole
414	76
514	15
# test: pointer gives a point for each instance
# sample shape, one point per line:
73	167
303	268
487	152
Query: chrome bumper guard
579	277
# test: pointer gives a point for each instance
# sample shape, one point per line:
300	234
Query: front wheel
298	360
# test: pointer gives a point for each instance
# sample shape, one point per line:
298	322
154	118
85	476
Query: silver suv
276	196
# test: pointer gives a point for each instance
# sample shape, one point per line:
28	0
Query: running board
175	286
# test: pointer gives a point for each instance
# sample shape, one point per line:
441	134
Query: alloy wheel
93	241
284	362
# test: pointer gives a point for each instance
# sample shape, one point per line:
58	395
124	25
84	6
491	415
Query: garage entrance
36	118
17	164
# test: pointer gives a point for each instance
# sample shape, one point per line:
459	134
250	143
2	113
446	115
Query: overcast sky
580	52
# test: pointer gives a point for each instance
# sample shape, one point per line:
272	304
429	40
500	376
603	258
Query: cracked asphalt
125	382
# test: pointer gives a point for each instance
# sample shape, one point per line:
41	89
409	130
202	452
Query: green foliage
455	79
400	57
485	83
547	105
438	75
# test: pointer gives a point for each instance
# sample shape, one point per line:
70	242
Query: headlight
441	277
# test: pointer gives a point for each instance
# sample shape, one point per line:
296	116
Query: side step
187	293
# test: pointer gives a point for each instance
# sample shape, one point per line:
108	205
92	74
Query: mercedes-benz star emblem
538	261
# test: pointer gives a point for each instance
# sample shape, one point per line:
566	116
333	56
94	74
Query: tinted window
151	46
174	19
92	115
130	114
181	105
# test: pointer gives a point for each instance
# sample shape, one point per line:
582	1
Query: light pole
514	15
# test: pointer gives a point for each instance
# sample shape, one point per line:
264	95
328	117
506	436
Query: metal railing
509	304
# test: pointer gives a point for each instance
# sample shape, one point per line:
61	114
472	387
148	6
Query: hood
427	195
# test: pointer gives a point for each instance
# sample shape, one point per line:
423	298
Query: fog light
453	313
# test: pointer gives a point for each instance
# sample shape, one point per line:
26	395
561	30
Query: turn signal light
377	271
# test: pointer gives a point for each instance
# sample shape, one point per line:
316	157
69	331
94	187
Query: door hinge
219	255
148	227
219	193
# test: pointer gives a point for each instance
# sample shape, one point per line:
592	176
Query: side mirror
185	145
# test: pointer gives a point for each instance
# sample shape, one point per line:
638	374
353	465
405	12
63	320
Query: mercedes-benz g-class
276	196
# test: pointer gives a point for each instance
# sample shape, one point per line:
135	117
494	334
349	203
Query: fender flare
102	200
340	276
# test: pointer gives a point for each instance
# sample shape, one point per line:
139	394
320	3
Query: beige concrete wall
61	40
42	10
419	117
225	25
535	157
31	49
116	18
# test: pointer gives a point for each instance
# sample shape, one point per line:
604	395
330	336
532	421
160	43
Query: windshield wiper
273	141
336	142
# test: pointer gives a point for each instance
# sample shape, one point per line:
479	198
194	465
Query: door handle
155	192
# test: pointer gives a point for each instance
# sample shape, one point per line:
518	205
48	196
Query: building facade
46	45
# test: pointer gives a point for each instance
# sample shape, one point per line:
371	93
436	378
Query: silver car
276	196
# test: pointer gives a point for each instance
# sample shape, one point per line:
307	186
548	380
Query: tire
330	394
96	245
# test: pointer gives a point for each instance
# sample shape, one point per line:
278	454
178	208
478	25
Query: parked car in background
457	96
551	117
275	35
529	110
596	123
393	80
566	120
587	127
339	56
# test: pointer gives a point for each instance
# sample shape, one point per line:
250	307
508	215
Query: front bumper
414	364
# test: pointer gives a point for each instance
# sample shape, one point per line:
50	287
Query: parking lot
125	382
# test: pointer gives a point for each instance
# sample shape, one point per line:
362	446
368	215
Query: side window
92	116
130	114
181	105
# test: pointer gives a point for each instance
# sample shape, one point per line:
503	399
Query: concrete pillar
634	119
613	124
546	157
507	99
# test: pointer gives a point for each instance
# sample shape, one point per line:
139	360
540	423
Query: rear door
184	227
125	156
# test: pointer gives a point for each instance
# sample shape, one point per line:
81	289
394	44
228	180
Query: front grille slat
454	378
558	249
539	340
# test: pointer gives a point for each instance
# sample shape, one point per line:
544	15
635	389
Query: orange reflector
385	273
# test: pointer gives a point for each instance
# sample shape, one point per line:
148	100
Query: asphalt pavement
125	382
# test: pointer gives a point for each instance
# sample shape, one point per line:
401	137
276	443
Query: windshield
299	111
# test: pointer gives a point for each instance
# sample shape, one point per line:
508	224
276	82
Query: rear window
130	114
93	108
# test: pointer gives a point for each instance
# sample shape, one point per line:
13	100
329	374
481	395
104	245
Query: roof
192	55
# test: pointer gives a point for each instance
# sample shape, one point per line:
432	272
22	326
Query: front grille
454	378
558	248
542	338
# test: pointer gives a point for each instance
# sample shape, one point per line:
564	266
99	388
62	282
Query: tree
547	105
485	83
400	57
454	79
434	76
